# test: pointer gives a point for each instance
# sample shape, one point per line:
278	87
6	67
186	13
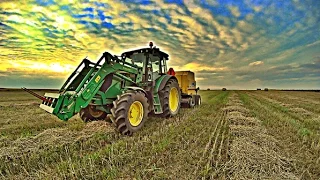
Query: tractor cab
151	60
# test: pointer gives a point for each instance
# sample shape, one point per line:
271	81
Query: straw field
233	135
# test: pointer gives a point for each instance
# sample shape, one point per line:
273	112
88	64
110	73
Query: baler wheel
191	102
130	111
197	100
89	113
171	99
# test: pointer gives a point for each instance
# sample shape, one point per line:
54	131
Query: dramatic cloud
257	63
228	43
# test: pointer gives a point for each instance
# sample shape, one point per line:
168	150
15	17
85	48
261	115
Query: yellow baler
189	91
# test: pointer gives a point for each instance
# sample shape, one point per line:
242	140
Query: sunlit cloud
50	37
196	67
256	63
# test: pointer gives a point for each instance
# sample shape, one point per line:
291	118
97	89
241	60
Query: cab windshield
131	61
137	59
155	67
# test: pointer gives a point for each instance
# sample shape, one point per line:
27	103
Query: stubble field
233	135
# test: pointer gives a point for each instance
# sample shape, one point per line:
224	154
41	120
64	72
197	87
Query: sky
237	44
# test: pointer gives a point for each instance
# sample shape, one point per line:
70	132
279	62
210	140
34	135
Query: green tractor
125	89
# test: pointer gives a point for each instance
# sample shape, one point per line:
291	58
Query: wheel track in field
219	139
200	125
223	148
215	152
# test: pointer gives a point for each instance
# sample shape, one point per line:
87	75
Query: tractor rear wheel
90	113
171	99
130	111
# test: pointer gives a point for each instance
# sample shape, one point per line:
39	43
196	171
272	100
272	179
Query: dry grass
301	111
257	161
237	118
297	132
238	108
253	153
244	130
53	137
234	135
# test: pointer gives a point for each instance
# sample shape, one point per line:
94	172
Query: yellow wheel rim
173	99
135	114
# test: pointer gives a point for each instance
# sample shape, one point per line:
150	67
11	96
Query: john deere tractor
125	89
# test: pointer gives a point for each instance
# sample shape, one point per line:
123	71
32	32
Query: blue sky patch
178	2
45	2
107	25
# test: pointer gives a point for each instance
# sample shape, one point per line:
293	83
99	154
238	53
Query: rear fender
162	81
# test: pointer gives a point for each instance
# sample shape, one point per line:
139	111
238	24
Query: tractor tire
197	100
89	114
130	111
171	99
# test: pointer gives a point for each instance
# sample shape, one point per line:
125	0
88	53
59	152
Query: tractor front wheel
130	111
90	113
171	100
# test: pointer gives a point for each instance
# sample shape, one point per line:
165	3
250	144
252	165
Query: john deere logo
97	79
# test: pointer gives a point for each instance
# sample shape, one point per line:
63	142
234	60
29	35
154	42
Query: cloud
196	67
197	79
314	43
235	11
285	72
220	37
256	63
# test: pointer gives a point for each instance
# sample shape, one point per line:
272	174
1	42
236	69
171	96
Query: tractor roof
154	51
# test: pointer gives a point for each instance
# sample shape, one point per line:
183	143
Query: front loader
125	89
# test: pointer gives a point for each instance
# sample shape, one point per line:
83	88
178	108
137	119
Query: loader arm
77	94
